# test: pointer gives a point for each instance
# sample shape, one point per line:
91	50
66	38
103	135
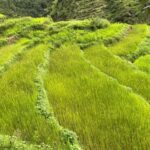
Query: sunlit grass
93	92
7	52
103	113
61	33
130	43
143	63
18	113
125	72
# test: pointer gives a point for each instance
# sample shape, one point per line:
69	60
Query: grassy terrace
129	43
18	112
143	63
79	95
122	70
7	52
64	85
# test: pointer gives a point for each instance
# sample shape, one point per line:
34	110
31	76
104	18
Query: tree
35	8
146	9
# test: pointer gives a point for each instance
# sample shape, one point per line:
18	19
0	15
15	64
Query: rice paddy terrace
74	85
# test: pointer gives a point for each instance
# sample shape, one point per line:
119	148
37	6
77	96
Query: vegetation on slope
129	11
54	95
78	9
35	8
143	63
123	71
130	43
79	95
124	10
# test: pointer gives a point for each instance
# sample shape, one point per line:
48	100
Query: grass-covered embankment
95	105
81	95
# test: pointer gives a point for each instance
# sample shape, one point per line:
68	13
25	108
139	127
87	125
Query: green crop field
74	85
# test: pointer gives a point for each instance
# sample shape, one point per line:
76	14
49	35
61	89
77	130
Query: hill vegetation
129	11
72	85
81	83
35	8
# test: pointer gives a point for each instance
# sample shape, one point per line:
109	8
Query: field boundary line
112	78
15	58
45	109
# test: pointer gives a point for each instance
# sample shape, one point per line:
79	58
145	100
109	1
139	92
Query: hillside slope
129	11
74	85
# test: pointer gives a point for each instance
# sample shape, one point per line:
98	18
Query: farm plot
102	112
19	116
125	72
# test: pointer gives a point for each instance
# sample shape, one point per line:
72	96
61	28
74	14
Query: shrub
98	23
142	50
3	42
91	24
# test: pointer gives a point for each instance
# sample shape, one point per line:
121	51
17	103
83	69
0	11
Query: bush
142	50
91	24
3	42
98	23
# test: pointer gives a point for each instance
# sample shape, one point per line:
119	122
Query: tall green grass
18	113
122	70
142	50
2	16
104	114
143	63
7	52
74	31
92	92
13	143
130	43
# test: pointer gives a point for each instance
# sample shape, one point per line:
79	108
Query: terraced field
74	85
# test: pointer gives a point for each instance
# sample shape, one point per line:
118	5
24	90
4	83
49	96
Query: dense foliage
146	9
124	10
129	11
33	8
